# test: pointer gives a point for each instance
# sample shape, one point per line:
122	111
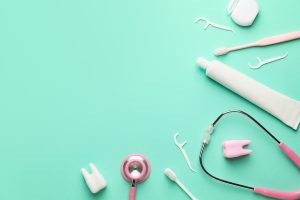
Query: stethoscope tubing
262	191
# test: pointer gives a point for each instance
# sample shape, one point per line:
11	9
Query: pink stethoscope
135	169
262	191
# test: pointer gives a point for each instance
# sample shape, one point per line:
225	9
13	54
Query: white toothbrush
172	176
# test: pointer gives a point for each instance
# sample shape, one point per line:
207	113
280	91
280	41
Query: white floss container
243	12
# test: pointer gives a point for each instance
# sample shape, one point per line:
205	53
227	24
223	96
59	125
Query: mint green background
95	80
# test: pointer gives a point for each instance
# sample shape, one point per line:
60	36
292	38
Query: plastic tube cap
203	63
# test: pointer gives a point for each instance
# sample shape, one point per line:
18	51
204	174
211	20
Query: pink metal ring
143	163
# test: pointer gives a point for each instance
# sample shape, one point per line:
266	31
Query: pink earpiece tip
234	148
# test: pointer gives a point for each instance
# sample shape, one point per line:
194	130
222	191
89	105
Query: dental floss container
243	12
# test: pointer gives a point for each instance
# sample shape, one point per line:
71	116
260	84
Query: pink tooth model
234	148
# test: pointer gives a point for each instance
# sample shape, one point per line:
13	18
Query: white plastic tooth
94	180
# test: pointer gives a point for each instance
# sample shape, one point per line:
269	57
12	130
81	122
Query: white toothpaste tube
282	107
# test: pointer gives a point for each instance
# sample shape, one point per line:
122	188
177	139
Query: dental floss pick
94	180
208	23
267	61
172	176
282	107
180	146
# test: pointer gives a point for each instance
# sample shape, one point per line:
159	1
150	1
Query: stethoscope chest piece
135	169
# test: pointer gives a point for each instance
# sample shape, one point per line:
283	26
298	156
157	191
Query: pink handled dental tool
260	43
234	148
135	169
262	191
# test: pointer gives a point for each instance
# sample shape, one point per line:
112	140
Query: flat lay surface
95	81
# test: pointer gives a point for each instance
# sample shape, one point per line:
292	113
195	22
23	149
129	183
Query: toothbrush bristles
221	51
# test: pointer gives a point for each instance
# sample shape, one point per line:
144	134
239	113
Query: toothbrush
172	176
260	43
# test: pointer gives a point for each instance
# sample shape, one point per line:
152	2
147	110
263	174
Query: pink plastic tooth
235	148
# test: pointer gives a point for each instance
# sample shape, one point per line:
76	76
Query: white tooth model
94	180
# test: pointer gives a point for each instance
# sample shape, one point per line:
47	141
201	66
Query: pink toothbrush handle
290	154
279	38
277	194
132	193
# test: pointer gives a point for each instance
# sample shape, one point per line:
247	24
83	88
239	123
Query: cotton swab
172	176
260	43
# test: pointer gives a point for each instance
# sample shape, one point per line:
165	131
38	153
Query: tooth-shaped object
234	148
94	180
